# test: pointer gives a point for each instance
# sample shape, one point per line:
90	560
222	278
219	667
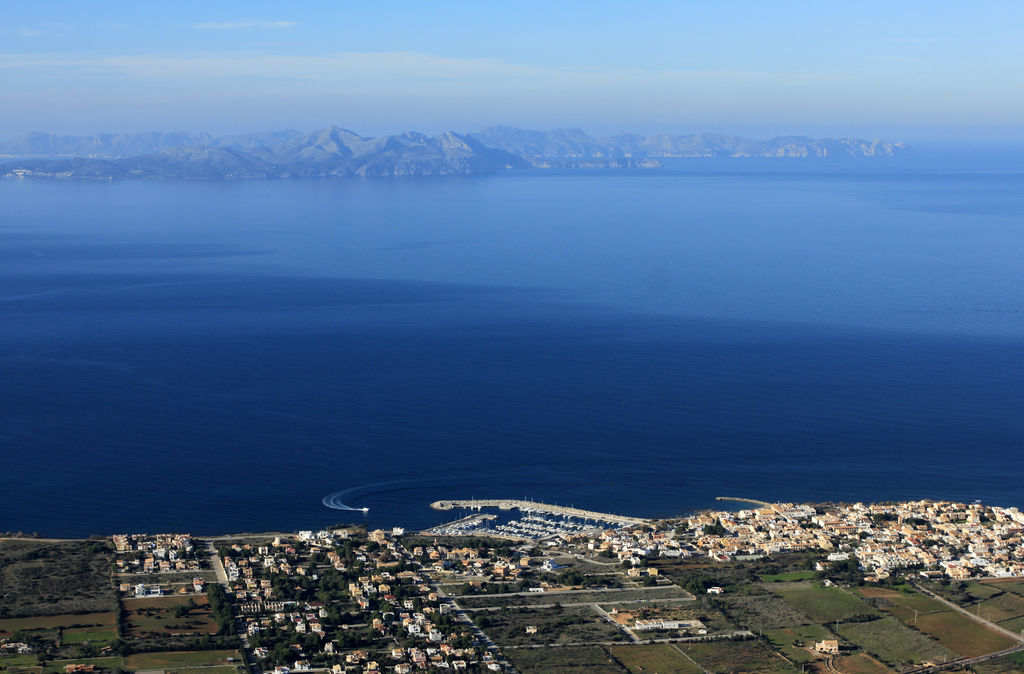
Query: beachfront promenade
533	506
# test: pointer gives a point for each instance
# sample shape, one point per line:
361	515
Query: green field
57	666
788	577
54	621
179	660
570	659
823	604
94	635
893	643
736	657
653	658
782	639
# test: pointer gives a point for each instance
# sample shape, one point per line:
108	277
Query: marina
537	521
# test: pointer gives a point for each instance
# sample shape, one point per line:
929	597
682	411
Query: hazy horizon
918	72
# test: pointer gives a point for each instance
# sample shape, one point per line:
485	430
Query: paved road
582	603
217	564
729	636
569	593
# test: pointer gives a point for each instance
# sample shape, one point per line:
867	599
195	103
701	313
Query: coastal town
885	587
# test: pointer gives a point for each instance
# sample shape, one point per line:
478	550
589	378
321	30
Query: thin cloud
245	24
24	31
911	40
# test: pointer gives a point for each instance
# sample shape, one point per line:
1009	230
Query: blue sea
221	356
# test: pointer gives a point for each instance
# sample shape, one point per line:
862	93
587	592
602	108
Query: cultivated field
574	597
736	657
961	634
651	658
893	643
554	626
569	659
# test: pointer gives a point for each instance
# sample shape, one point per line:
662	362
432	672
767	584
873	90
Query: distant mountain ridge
334	151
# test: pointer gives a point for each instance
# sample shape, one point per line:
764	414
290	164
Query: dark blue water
220	356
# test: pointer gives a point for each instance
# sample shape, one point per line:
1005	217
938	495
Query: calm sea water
219	356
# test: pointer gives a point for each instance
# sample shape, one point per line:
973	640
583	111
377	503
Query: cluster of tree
716	529
221	607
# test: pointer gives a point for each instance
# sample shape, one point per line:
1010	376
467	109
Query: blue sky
879	69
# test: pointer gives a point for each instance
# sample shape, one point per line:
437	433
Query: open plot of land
861	664
1015	625
823	604
574	597
653	658
764	612
156	615
783	640
736	657
1005	606
1014	586
873	592
982	590
48	578
573	659
961	634
54	621
906	604
554	626
892	642
177	660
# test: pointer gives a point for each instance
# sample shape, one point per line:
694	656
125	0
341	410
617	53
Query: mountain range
337	152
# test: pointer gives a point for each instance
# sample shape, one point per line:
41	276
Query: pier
738	499
535	507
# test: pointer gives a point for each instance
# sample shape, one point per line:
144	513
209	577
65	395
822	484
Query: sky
897	70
